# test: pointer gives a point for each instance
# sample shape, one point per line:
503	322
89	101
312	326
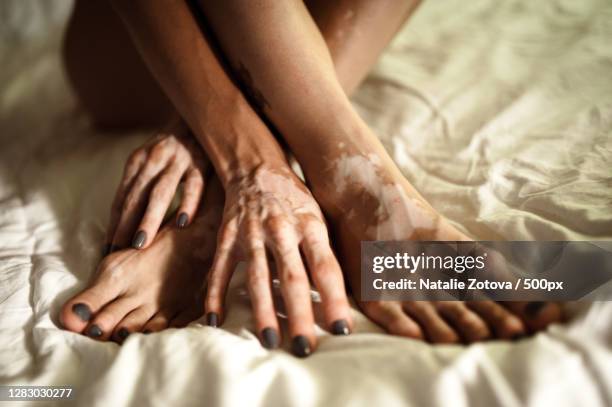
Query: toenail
94	331
532	309
269	338
82	311
300	346
139	239
123	333
340	327
212	319
147	331
182	220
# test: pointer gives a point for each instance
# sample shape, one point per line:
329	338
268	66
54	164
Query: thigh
109	78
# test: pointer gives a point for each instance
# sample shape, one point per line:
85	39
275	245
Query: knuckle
136	156
257	277
294	277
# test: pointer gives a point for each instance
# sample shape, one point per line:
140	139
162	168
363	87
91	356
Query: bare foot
369	199
150	290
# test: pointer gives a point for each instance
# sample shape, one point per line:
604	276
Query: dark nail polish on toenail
300	346
107	250
212	319
532	309
139	239
340	327
182	220
94	331
82	311
146	332
269	338
123	333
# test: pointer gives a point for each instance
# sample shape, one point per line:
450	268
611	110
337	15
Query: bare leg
278	52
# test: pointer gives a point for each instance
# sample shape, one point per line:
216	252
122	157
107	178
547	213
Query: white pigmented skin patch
397	215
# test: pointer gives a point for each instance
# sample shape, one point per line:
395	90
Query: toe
503	323
132	322
471	327
537	315
80	309
103	324
159	321
391	317
436	329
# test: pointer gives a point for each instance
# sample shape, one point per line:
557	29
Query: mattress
500	113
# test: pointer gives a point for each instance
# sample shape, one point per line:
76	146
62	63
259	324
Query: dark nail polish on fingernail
212	319
340	327
123	333
107	249
532	309
300	346
182	220
269	338
139	239
82	311
94	331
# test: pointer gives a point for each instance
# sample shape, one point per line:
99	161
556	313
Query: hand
269	210
151	177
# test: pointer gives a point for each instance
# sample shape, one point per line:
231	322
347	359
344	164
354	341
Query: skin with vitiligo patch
271	211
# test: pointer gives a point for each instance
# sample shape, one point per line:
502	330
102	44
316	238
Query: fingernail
139	239
94	331
533	308
123	333
182	220
107	249
212	319
340	327
146	331
269	338
82	311
300	346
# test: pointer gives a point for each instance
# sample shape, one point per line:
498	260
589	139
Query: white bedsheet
499	112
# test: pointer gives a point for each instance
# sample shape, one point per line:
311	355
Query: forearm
181	59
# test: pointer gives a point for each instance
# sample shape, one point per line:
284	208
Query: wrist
236	139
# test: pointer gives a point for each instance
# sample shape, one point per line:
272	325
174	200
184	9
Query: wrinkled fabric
500	113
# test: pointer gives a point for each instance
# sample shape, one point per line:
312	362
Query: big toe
77	312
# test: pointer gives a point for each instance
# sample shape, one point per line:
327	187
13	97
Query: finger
219	276
259	288
295	289
160	199
437	330
131	169
471	327
134	206
192	194
390	316
327	277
